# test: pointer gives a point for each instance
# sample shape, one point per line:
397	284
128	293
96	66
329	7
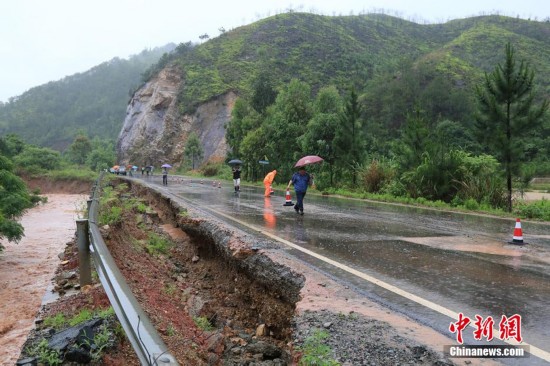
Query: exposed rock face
154	132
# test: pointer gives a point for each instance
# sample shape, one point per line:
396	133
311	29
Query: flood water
27	268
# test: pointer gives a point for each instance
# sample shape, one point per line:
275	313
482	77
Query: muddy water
26	269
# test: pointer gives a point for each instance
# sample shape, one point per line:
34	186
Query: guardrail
144	338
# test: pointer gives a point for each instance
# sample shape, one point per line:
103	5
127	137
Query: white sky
46	40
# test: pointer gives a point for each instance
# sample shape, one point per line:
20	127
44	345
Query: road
427	264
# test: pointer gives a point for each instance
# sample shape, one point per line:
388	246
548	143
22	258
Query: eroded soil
188	281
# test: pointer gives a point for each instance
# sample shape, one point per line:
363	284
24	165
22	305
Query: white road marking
429	304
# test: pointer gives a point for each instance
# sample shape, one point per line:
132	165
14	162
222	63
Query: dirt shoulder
47	186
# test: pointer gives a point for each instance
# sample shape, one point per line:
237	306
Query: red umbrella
307	160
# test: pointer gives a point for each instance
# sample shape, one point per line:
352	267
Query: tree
102	155
414	141
14	201
285	122
34	158
193	149
80	149
349	137
506	112
321	129
243	120
264	93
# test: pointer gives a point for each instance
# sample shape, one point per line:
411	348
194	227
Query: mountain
92	102
394	63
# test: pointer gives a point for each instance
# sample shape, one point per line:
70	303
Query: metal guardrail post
143	336
83	242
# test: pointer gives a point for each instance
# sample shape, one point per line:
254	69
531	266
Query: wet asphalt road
460	262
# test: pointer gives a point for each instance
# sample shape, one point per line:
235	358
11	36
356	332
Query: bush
210	169
471	204
376	176
203	323
110	216
539	210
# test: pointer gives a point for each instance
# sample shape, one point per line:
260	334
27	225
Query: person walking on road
268	181
237	178
301	180
164	176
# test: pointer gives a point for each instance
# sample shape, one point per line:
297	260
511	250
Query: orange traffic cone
288	200
271	191
518	234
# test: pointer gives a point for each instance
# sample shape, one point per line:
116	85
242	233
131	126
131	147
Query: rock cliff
154	132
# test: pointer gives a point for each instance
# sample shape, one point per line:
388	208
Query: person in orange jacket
268	181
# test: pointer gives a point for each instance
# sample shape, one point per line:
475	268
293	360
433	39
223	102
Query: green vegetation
507	112
83	316
92	103
193	151
110	211
170	330
389	104
203	323
44	354
315	352
59	320
102	338
156	244
15	198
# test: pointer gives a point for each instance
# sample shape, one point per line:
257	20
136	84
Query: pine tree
507	112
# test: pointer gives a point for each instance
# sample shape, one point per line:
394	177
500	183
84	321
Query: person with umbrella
165	168
236	173
237	178
301	180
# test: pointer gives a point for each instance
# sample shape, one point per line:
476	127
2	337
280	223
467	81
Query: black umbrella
234	162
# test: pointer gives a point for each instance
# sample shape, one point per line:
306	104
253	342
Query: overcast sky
46	40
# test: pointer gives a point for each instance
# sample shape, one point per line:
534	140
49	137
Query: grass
44	354
59	320
203	323
535	210
83	316
102	339
73	173
315	351
157	244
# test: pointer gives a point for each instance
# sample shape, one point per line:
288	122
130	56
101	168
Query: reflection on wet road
461	262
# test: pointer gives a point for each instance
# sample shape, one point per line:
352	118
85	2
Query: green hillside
93	102
394	64
342	51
